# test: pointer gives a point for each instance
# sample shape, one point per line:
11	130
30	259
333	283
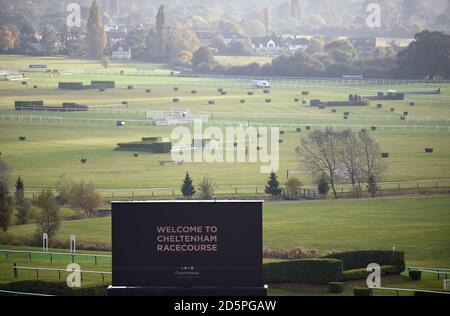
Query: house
205	37
122	52
297	43
116	33
363	44
234	37
267	45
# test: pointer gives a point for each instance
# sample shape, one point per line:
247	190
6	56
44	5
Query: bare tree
206	188
350	151
319	151
83	196
372	165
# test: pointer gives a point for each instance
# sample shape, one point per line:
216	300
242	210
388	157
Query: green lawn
419	226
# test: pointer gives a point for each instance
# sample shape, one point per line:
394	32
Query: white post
73	244
45	242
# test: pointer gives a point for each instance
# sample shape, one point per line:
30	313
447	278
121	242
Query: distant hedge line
51	288
337	267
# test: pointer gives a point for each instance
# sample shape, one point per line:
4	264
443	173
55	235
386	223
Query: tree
293	186
372	165
351	154
63	188
426	57
95	33
206	188
6	206
4	171
187	188
323	186
7	38
50	40
341	51
161	32
273	186
84	197
203	55
267	19
372	186
319	151
47	217
23	206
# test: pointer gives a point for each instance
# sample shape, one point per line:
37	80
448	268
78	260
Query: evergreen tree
187	188
23	206
273	186
323	185
95	33
161	30
372	186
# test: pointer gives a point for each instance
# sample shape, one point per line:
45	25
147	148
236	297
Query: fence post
15	271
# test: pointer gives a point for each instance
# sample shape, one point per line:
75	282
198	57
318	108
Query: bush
148	90
333	111
392	109
296	100
193	91
361	259
385	155
176	100
405	113
250	93
175	89
53	288
268	100
373	128
290	253
242	101
359	291
336	287
211	102
266	91
379	106
415	275
22	138
130	87
429	150
305	92
310	271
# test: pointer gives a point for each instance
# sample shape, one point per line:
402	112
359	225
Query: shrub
336	287
268	100
392	109
211	102
359	291
250	93
429	150
280	141
310	271
333	111
415	275
290	253
35	87
379	106
373	128
148	90
266	91
412	103
136	155
305	92
402	118
242	101
308	128
22	138
130	87
176	100
193	91
296	100
384	155
405	113
53	288
345	117
361	259
83	160
346	113
175	89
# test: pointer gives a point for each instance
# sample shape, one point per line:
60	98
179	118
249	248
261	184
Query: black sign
187	244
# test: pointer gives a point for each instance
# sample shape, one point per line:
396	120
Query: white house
267	45
122	53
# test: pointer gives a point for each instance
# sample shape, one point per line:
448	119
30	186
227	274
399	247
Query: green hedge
361	259
359	274
311	271
51	288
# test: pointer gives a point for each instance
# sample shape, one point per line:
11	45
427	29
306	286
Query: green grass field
418	225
